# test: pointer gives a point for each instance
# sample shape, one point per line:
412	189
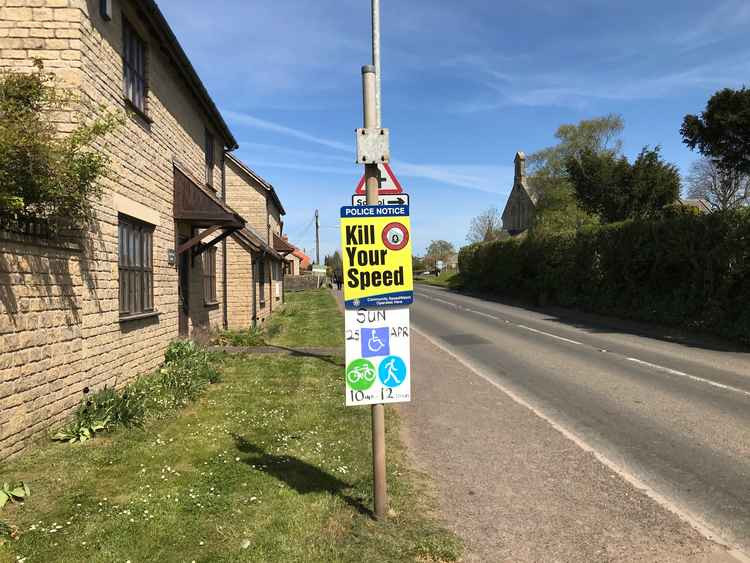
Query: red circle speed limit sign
395	236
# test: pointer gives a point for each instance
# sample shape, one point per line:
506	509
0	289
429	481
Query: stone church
521	205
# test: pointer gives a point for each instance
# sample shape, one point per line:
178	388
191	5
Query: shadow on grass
297	474
302	353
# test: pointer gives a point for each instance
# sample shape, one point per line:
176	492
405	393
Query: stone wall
298	283
59	313
239	286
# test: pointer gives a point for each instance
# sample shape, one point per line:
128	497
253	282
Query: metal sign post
372	187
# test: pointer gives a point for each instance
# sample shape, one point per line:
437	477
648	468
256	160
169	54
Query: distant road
675	415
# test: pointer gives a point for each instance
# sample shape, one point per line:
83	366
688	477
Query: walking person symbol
392	371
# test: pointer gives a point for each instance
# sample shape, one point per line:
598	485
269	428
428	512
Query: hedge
688	271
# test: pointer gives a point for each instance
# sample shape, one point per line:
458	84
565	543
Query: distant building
699	203
520	208
256	252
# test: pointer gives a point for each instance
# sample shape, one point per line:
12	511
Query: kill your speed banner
376	256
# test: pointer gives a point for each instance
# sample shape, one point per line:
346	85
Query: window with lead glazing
135	266
133	67
209	276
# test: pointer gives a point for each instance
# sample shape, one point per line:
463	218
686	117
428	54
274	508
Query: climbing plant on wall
46	173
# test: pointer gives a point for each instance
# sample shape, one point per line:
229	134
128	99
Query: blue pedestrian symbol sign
392	371
375	342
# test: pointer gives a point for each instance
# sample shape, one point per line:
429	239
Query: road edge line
696	522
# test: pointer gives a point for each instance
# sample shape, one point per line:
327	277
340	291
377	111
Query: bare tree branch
721	188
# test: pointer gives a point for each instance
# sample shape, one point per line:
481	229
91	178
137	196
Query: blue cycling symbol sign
392	371
375	342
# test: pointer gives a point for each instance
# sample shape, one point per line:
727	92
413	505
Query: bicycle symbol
360	375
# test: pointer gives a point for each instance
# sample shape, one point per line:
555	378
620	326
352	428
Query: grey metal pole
372	182
376	59
317	237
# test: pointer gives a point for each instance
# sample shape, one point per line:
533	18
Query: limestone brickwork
252	197
60	328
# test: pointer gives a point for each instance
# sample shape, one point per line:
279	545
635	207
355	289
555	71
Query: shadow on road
297	474
601	324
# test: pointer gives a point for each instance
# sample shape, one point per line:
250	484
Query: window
134	67
209	159
262	281
209	276
136	270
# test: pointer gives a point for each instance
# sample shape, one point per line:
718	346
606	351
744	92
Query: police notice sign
377	256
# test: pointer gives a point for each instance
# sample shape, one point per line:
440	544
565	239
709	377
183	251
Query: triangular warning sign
388	186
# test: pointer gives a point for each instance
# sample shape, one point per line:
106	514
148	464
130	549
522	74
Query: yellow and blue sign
376	256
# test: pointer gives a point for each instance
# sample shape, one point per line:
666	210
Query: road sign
319	269
397	199
440	265
377	256
378	363
389	184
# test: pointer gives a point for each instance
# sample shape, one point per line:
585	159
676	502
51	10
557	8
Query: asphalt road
675	415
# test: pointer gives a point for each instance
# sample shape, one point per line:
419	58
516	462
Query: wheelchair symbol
375	342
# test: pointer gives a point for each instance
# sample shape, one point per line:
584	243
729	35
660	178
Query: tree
558	211
557	208
439	250
722	131
418	264
45	174
722	189
334	263
599	135
486	226
615	190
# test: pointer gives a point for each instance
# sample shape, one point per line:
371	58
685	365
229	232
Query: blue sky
465	85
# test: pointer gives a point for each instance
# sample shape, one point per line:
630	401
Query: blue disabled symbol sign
375	342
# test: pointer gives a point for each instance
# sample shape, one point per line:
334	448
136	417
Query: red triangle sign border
396	189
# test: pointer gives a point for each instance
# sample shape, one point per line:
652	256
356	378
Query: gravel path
517	490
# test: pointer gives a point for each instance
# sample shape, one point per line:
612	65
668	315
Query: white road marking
687	375
694	520
604	350
481	314
550	335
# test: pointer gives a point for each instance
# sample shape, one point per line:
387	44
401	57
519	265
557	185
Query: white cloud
257	123
491	179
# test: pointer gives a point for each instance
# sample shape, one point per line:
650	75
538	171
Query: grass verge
450	280
267	465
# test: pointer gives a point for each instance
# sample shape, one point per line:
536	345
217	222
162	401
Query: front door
183	272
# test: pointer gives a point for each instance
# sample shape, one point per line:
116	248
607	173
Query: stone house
100	308
292	265
520	208
256	252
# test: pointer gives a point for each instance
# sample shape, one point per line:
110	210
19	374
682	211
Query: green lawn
451	280
267	465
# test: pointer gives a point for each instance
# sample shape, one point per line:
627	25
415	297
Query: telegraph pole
371	111
317	237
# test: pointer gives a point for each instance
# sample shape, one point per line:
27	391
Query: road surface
674	416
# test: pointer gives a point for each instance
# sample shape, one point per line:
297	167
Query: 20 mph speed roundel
395	236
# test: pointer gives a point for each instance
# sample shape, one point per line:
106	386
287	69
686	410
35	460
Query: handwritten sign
378	360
